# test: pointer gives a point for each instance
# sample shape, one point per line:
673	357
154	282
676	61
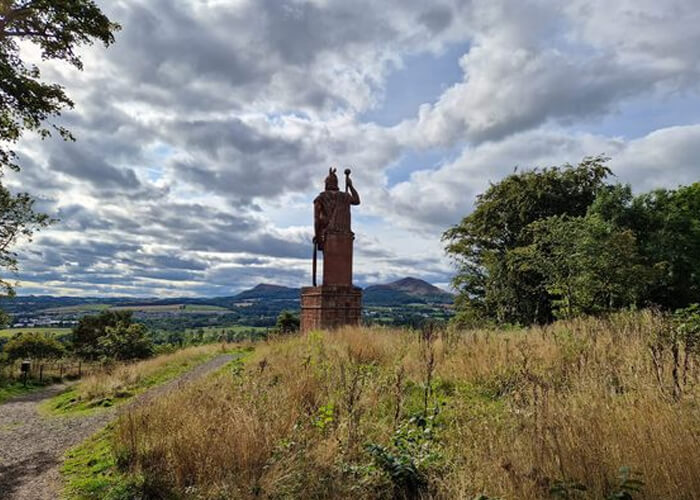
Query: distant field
190	308
78	308
186	308
9	332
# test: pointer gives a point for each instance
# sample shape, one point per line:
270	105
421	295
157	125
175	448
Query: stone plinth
327	307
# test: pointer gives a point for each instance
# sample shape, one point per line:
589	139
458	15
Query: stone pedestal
327	307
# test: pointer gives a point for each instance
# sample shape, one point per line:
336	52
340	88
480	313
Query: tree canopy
561	241
33	346
58	28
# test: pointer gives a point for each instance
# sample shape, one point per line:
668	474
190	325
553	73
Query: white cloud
204	131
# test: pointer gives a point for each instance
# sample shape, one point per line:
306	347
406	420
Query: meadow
117	382
588	408
10	332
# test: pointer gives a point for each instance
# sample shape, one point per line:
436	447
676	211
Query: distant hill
268	292
401	292
406	291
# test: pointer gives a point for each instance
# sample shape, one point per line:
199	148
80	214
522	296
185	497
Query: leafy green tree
57	28
33	346
490	288
17	219
287	322
87	333
125	341
667	226
588	265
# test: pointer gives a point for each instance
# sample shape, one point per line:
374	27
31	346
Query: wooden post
41	373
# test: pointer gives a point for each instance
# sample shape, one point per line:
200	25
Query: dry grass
122	380
389	413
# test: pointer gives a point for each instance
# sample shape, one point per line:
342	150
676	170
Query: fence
45	371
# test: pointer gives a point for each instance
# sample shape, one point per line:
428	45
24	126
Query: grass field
184	308
579	409
9	332
117	384
77	308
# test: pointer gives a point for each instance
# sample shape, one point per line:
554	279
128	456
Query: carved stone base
326	307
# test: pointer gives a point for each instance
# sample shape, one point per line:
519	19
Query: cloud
206	130
439	198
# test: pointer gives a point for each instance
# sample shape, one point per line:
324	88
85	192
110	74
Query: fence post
41	373
80	365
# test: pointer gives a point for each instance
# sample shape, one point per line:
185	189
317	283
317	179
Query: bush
33	345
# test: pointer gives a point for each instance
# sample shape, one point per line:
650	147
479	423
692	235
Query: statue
332	208
332	224
336	302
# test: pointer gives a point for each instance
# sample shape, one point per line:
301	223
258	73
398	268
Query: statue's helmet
332	180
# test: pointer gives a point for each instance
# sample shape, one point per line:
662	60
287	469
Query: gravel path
32	445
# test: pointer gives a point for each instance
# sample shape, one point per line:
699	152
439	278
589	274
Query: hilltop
406	291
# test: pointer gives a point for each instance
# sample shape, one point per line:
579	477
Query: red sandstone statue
333	232
336	302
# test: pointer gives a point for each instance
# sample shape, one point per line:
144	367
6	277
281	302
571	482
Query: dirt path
32	445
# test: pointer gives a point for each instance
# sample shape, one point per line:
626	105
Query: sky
204	133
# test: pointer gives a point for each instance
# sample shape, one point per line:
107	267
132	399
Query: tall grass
121	380
532	413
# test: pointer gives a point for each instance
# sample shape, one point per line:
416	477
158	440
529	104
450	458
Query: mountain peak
407	290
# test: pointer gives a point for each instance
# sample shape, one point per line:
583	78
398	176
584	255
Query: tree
33	346
17	219
667	227
58	28
87	333
287	322
490	289
125	341
588	265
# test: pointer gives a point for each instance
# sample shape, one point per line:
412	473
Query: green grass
78	308
9	332
188	308
14	389
90	471
71	401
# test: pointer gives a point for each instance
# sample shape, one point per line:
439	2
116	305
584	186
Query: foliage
91	329
58	28
126	341
33	346
561	242
587	265
413	449
489	287
17	219
667	226
628	483
287	322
